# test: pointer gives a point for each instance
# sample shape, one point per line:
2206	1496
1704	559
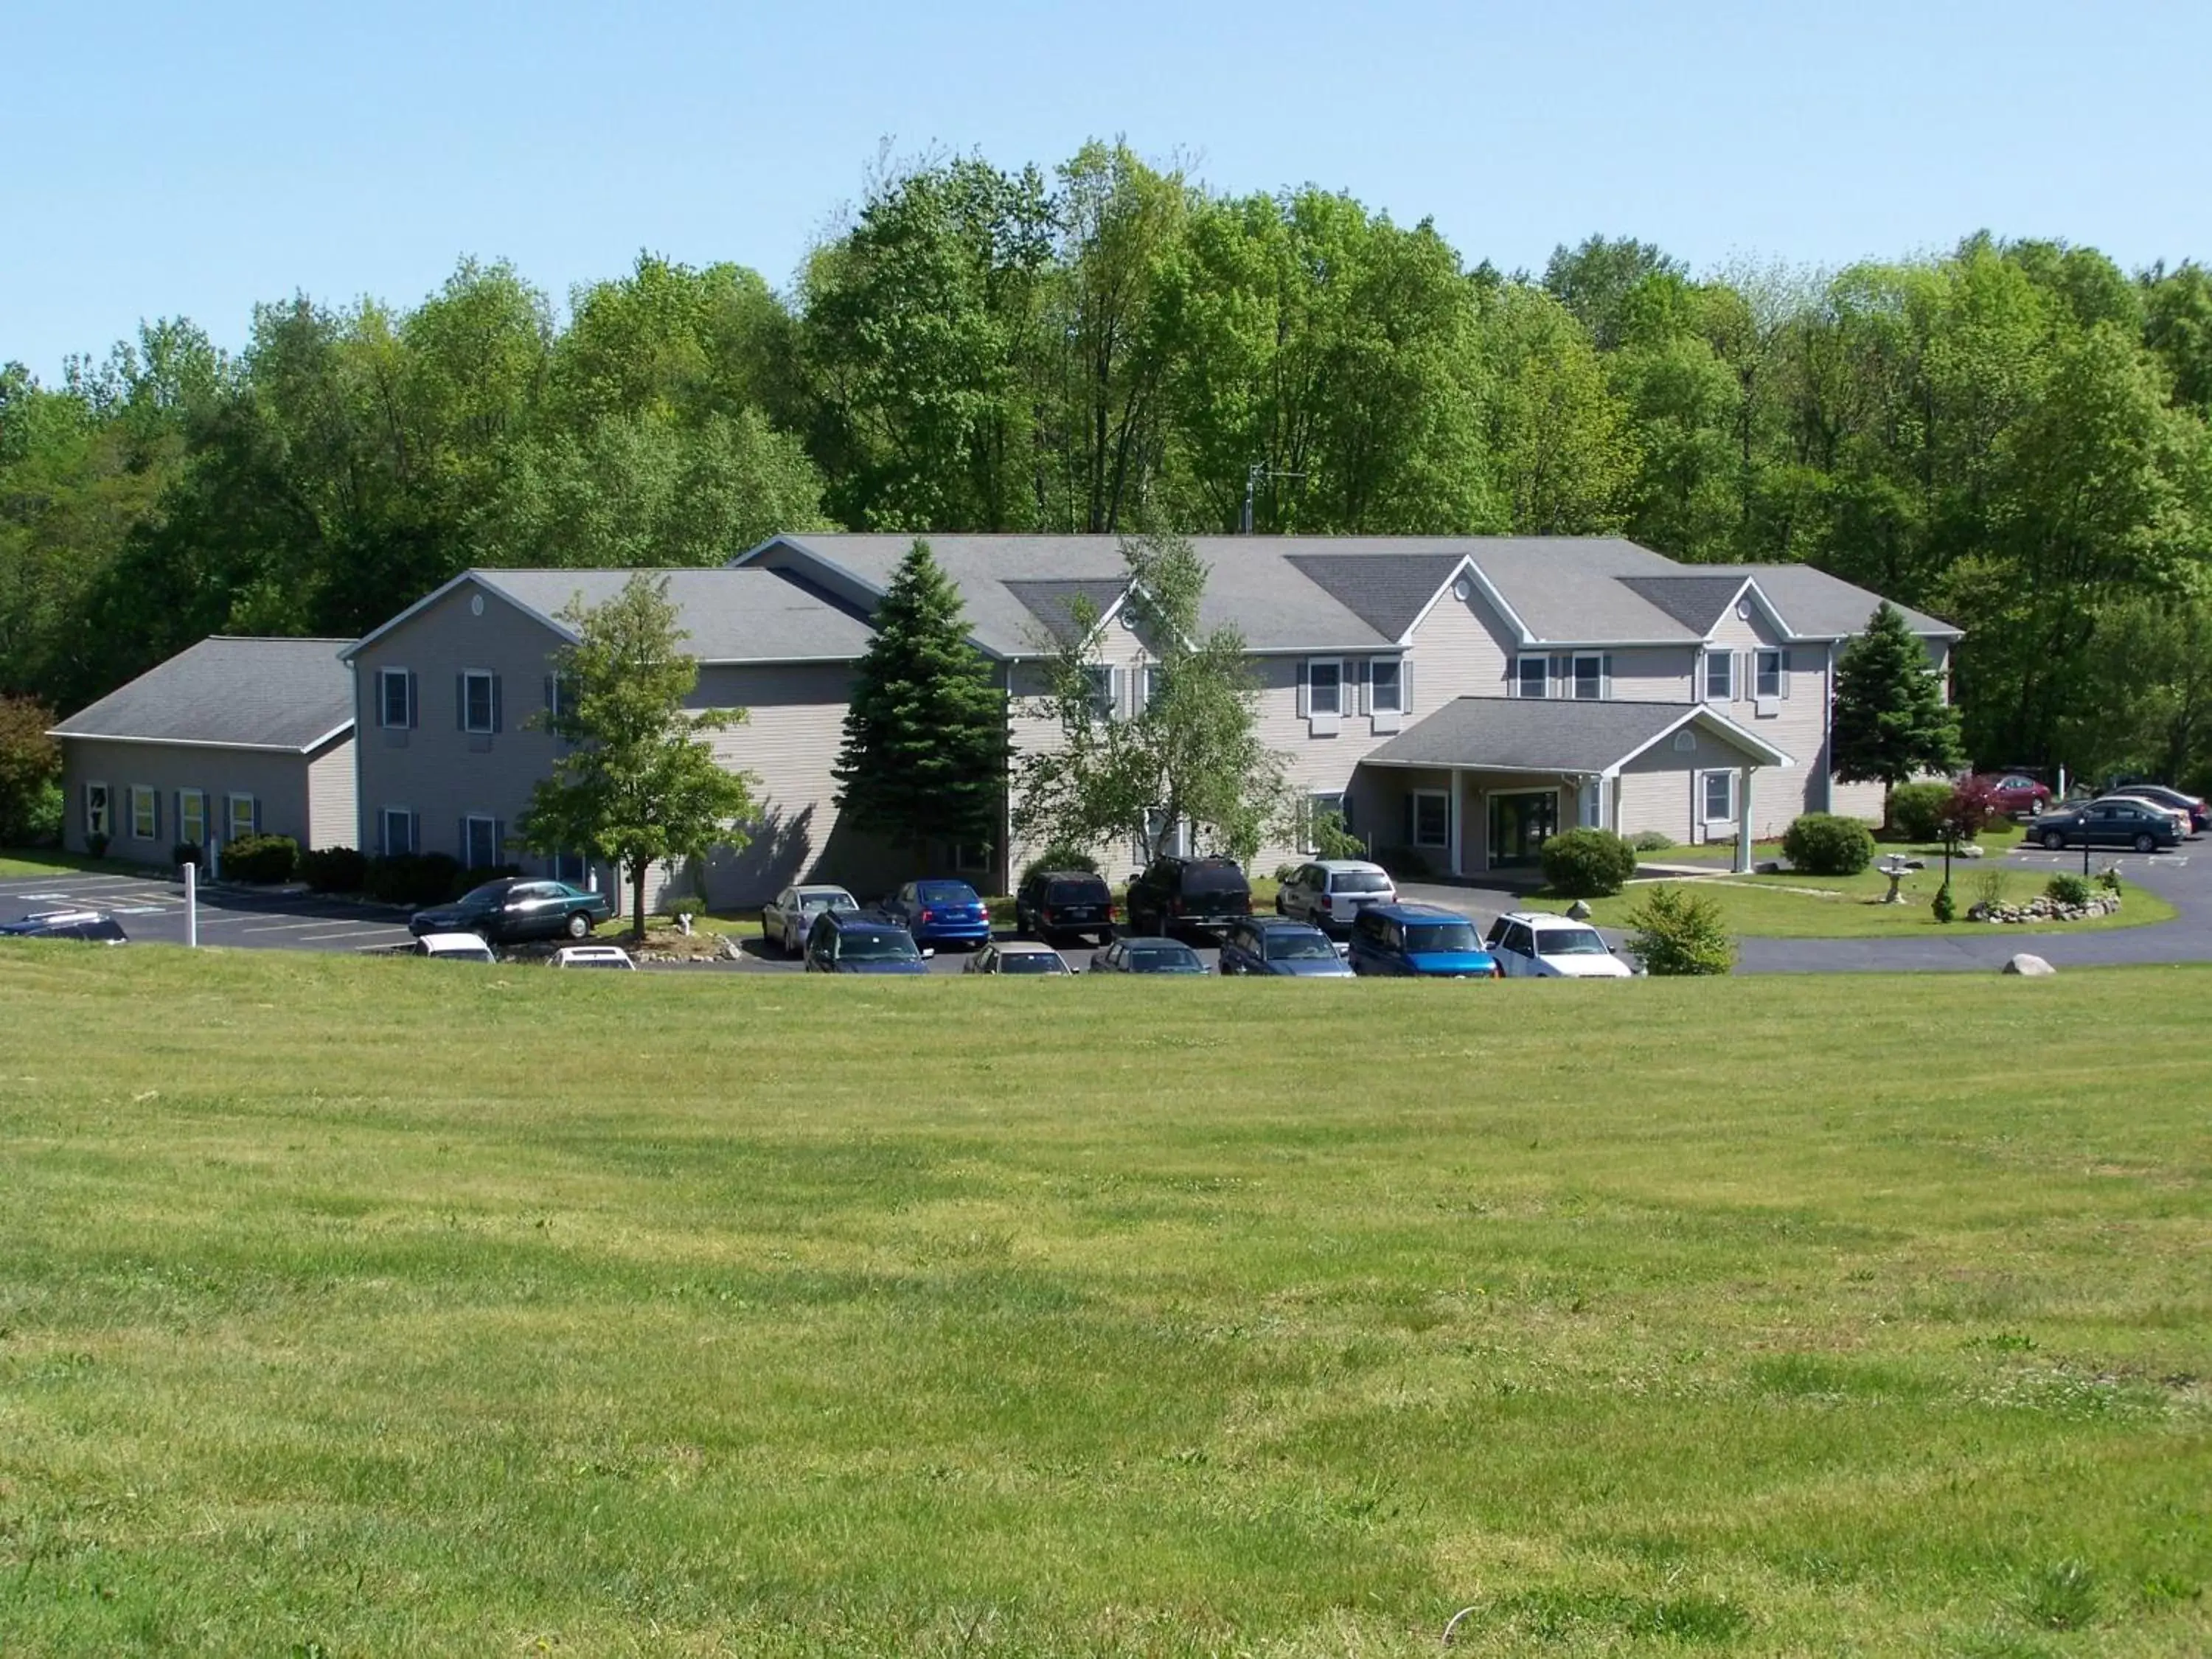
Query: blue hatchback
939	913
1422	941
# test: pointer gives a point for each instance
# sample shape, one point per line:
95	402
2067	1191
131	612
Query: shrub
1650	841
2109	878
1823	844
1588	863
1404	862
260	858
335	870
1916	810
1058	858
1973	807
690	905
410	878
2068	890
1945	907
1678	933
188	852
30	771
1331	839
1989	888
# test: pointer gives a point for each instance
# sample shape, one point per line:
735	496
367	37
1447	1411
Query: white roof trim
812	557
1750	585
483	579
205	742
1467	567
1728	729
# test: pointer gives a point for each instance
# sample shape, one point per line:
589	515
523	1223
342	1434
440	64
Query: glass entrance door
1521	822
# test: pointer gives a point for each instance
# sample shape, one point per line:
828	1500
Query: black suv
95	925
1186	893
1053	902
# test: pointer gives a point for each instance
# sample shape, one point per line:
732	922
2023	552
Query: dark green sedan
514	908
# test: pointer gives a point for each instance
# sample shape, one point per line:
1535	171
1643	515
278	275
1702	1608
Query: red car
2015	793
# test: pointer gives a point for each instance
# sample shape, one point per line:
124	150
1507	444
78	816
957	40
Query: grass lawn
1996	839
359	1306
18	863
1837	907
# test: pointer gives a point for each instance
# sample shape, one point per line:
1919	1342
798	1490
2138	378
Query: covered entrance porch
1476	788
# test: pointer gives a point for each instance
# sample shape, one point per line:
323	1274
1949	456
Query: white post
1458	812
192	905
1743	821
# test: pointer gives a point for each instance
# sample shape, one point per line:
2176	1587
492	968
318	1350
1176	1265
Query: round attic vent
1686	741
476	604
1128	619
1462	590
1743	609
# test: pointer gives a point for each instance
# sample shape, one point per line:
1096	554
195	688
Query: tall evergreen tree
1892	723
924	758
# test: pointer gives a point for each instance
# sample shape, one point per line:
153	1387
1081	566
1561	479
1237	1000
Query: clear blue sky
192	159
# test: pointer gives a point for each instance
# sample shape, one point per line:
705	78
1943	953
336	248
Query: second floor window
479	701
1720	676
395	697
1325	687
1533	677
1769	681
1384	695
1590	678
1101	691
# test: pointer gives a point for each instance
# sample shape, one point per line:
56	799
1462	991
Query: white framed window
193	815
396	832
1720	676
395	698
479	701
1532	677
1717	792
479	841
560	696
970	855
1320	682
1593	677
571	867
145	812
96	811
1768	676
1589	804
1385	687
241	816
1430	810
1149	678
1318	807
1101	691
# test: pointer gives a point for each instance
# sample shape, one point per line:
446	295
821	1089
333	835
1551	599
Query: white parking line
393	933
77	882
285	926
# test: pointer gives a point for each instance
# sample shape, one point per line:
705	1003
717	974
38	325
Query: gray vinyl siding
333	815
279	783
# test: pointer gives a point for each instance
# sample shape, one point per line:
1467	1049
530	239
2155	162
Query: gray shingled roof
1388	590
232	693
732	615
1543	735
1819	606
1696	602
1053	603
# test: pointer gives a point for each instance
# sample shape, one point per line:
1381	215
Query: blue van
1423	941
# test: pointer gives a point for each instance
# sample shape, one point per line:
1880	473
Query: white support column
1743	820
1458	818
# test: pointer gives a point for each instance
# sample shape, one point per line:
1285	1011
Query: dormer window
1720	676
1532	677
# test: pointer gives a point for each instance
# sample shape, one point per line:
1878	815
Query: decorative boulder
1970	850
2029	967
1578	911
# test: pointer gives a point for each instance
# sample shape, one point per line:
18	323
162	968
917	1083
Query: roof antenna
1252	474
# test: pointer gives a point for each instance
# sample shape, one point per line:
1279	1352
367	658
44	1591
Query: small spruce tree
1892	723
924	757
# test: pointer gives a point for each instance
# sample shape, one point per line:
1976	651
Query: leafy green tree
639	783
1563	457
30	768
1674	931
1190	753
924	757
1892	723
2178	326
1594	280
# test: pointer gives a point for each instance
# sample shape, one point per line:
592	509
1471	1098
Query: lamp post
1252	474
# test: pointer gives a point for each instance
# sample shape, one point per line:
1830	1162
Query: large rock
2029	967
1578	911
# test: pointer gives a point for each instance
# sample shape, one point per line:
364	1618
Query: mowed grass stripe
382	1306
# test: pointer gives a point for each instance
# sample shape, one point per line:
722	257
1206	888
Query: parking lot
151	908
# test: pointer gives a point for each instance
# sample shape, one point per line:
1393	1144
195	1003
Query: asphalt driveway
151	908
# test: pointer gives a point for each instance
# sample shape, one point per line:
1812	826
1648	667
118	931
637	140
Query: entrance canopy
1552	736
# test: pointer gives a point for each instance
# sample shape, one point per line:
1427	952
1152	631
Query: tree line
2012	434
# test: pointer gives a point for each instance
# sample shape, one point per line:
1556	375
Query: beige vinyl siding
1655	795
1653	673
279	782
1459	649
333	814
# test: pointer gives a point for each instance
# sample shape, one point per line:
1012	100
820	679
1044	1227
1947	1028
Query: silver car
785	918
1330	893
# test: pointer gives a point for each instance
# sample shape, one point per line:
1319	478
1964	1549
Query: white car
455	947
1535	944
1015	956
591	956
787	918
1331	892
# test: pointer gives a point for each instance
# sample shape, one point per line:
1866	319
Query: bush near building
1588	863
1824	844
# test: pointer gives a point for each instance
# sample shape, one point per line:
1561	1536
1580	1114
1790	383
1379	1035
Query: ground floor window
970	855
145	813
95	810
1589	804
1719	796
244	813
396	833
571	867
1431	811
479	843
1320	806
1178	844
193	816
